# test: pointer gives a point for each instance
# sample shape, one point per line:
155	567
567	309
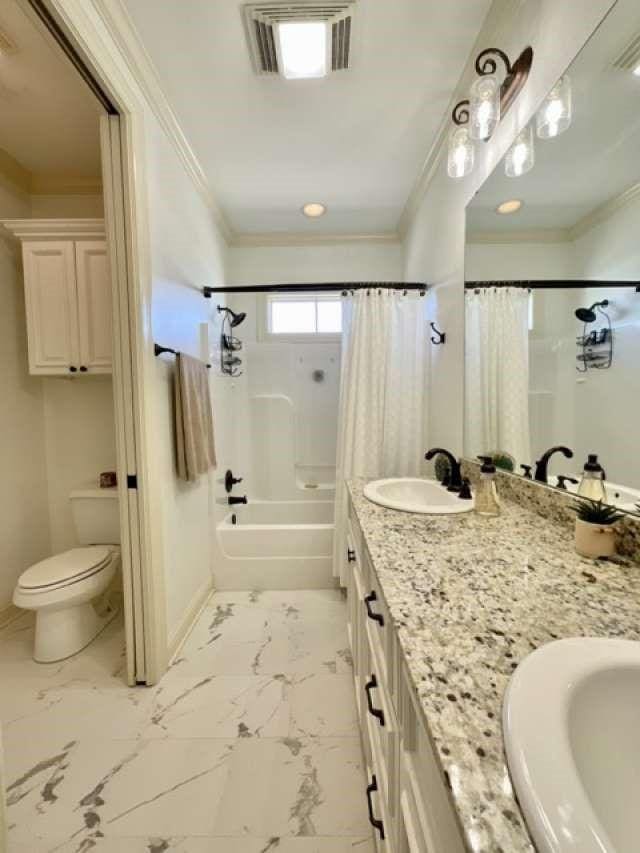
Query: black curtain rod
158	350
335	287
569	284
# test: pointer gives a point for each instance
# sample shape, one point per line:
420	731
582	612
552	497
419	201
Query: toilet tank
96	516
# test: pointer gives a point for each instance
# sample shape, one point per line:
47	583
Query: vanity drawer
381	825
383	733
425	804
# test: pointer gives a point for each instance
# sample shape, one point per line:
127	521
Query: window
306	317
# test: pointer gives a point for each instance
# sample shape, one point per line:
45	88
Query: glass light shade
462	153
556	113
484	107
521	157
303	49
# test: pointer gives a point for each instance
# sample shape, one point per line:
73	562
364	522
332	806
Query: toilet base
62	633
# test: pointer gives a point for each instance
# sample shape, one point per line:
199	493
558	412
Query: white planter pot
595	540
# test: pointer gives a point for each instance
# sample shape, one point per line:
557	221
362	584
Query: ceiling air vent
262	19
629	59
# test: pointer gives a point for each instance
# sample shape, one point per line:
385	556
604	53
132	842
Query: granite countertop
470	598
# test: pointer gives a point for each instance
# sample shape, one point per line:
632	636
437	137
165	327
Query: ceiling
49	121
593	162
355	141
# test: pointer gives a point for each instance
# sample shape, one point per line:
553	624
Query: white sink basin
414	495
571	722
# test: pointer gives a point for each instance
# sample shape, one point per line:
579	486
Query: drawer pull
378	713
377	617
351	555
375	823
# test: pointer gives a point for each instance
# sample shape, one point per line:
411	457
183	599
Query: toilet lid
71	565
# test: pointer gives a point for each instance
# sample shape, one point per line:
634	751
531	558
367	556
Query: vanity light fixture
556	113
509	207
521	157
314	209
488	102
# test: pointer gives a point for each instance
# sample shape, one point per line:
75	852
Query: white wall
187	252
516	261
24	530
435	242
67	206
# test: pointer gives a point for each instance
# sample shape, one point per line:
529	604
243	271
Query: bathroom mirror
552	307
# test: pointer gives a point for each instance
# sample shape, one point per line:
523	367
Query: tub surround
469	598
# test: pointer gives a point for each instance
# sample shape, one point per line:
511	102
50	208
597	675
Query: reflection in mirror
552	296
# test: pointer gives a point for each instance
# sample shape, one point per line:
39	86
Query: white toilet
61	589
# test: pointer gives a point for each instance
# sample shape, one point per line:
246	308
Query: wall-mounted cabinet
67	294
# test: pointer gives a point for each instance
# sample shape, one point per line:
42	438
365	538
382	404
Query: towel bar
158	350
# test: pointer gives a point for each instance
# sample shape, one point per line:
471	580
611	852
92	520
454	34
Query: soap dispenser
592	483
486	502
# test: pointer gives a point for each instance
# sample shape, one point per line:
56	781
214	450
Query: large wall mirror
552	266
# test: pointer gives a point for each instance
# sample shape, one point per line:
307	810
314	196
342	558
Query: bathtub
279	529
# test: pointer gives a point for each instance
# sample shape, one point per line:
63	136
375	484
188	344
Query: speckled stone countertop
470	598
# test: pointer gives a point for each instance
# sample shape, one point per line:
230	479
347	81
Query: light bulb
556	113
484	107
520	158
461	153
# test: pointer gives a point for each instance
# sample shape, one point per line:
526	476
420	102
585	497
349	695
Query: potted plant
595	533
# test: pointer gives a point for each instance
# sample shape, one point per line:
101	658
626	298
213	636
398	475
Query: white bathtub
281	529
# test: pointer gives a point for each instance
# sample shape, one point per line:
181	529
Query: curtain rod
317	288
569	284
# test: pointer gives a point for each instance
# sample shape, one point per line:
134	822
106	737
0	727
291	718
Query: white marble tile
116	788
220	706
320	789
323	705
245	844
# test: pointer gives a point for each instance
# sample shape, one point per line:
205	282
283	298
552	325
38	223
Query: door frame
81	30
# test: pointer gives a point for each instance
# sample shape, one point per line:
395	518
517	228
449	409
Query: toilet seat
65	569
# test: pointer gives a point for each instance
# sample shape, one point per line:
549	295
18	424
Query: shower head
235	319
588	315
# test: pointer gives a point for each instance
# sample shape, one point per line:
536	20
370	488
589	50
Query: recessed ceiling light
314	209
636	70
507	207
303	49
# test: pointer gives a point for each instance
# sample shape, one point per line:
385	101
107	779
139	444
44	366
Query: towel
194	419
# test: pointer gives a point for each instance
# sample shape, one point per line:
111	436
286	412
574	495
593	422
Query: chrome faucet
543	463
454	481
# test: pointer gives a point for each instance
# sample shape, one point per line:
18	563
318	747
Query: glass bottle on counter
486	497
592	484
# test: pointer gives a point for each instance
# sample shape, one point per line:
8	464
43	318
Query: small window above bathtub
309	317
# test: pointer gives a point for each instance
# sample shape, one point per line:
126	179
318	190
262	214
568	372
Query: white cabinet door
52	313
94	306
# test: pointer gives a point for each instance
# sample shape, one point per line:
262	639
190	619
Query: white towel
195	445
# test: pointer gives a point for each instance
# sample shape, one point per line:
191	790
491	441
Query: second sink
410	494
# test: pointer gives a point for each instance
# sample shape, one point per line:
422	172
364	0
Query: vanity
442	609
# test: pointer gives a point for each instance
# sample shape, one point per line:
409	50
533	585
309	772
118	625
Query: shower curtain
381	414
497	372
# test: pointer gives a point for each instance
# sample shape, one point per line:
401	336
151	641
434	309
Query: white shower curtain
382	394
497	372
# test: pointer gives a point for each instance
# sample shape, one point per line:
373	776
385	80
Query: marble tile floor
249	744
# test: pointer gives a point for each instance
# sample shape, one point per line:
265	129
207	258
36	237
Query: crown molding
121	28
254	241
65	185
55	229
532	235
500	12
604	211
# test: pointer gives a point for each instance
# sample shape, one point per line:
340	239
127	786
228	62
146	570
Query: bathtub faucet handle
233	501
230	481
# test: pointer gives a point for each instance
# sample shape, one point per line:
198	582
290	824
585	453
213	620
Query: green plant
503	461
596	512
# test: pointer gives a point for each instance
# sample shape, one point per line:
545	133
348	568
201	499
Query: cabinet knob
73	370
83	369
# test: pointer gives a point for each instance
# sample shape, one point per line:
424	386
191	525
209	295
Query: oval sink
414	495
571	722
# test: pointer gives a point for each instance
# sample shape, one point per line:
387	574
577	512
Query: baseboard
179	634
9	614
